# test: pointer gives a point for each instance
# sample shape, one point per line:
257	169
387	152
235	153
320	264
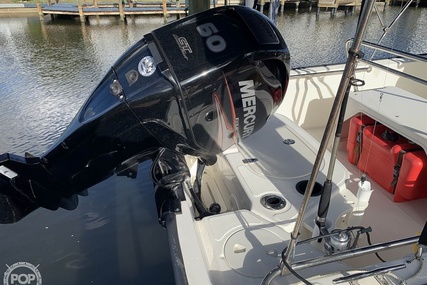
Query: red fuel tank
355	130
379	155
412	182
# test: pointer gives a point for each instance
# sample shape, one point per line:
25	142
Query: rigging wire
386	29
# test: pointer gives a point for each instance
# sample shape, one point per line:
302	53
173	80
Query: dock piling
165	11
39	10
81	14
121	12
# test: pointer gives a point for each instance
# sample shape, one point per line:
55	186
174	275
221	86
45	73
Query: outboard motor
195	86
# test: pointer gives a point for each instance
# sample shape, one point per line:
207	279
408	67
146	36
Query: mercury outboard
195	86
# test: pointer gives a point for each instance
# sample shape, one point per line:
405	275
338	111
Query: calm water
47	70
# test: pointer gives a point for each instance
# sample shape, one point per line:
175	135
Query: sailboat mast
353	55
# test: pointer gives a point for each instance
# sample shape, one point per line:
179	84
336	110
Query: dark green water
47	71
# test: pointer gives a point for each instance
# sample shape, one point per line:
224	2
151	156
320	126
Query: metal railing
398	53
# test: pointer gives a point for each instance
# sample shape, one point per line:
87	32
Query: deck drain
273	202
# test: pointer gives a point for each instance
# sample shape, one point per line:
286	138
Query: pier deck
112	9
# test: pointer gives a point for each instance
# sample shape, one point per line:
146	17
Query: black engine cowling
195	86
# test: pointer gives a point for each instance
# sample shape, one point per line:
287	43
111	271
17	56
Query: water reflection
321	40
47	70
51	69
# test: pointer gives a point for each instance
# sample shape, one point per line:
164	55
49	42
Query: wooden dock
112	9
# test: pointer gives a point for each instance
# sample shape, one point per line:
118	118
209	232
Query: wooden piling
121	12
39	10
165	11
81	14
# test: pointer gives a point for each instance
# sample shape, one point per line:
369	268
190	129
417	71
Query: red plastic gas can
412	181
379	155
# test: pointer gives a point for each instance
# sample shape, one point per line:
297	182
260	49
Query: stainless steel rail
305	71
394	52
342	255
365	274
346	254
397	72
